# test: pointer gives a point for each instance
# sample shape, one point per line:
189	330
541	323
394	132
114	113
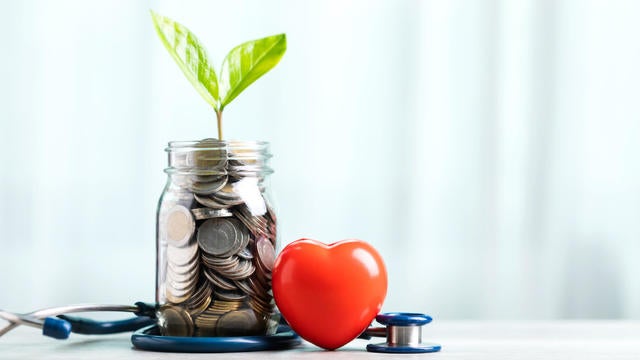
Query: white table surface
460	340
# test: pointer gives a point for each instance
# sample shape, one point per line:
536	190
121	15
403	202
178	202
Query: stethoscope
403	331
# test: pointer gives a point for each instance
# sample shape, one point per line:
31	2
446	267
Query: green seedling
243	65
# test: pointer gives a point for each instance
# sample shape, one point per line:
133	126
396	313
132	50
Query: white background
488	149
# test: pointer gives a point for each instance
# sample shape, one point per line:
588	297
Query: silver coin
243	286
209	202
208	213
266	253
227	195
177	286
245	254
219	262
182	270
182	256
244	269
179	225
218	236
209	155
243	154
179	295
208	176
182	279
207	188
257	225
175	296
228	267
219	281
232	295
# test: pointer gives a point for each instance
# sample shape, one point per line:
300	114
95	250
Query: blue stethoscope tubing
56	324
403	331
149	338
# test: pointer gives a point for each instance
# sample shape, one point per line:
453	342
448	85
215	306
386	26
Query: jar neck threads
214	157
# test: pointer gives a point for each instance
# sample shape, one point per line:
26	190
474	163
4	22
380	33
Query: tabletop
475	340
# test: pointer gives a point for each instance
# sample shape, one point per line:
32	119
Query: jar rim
255	145
212	156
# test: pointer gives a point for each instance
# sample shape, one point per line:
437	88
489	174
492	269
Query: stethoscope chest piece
404	334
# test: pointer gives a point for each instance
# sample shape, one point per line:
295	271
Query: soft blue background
488	149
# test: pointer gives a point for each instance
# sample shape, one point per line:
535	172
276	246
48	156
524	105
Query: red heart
329	294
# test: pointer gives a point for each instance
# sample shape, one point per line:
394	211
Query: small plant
243	65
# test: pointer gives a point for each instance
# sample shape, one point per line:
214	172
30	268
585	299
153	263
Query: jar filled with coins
216	241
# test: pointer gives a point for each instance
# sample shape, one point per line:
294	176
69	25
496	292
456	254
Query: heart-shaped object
329	294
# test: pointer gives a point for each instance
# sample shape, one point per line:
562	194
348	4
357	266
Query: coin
200	300
182	256
182	269
174	321
257	225
207	188
219	281
177	296
241	154
215	262
261	306
227	195
182	281
222	306
179	225
245	254
266	253
243	286
243	270
209	202
219	236
238	323
207	213
206	324
210	153
229	295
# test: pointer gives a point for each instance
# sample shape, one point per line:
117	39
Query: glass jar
216	241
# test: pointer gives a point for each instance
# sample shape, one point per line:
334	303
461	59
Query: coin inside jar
266	253
238	323
208	213
182	256
219	236
179	225
174	321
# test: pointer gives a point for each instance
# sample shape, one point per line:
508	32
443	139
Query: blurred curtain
488	149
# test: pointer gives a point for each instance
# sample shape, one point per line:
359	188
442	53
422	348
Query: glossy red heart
329	294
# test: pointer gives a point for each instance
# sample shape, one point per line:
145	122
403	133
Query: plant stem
219	116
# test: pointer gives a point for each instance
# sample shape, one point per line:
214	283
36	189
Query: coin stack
217	238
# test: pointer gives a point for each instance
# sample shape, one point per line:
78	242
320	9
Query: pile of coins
217	239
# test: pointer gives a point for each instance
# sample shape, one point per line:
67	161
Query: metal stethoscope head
403	332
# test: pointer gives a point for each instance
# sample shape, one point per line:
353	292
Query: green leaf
190	55
247	62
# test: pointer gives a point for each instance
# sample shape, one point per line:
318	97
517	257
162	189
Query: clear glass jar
216	239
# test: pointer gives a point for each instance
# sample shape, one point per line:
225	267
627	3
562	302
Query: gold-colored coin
239	323
180	226
174	321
